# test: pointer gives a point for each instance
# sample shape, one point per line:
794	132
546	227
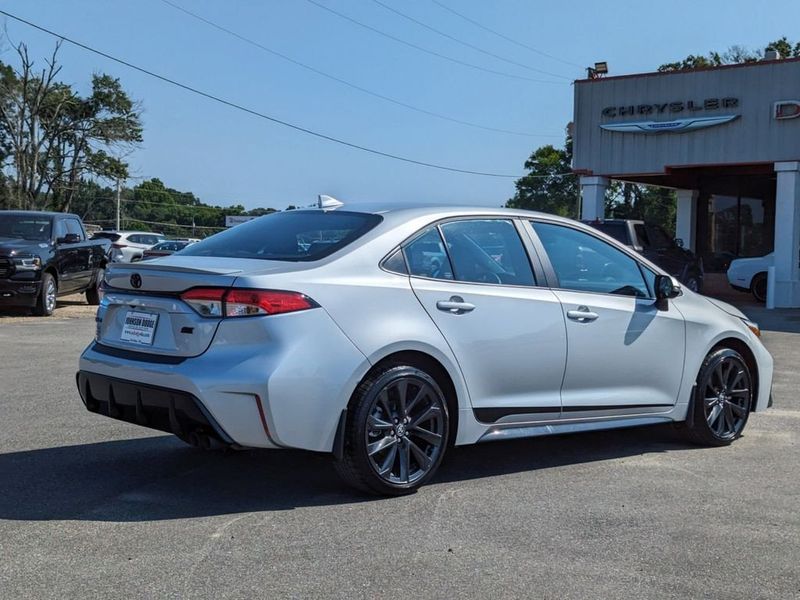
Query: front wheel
723	396
46	303
397	432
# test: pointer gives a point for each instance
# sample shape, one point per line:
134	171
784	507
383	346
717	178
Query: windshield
295	235
25	227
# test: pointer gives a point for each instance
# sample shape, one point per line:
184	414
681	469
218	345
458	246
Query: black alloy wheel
398	432
723	398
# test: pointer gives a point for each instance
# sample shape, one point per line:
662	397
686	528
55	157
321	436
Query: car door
474	279
625	352
64	257
81	259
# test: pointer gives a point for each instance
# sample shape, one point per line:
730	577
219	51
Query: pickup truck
655	244
44	255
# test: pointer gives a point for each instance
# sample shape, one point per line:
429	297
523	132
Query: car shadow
159	478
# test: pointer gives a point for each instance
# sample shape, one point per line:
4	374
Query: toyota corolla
385	336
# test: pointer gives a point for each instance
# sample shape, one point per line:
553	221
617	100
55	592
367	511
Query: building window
738	226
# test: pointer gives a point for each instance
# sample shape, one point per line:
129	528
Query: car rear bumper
267	382
19	293
173	411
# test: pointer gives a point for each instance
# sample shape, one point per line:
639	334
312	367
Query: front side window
487	251
426	256
74	226
585	263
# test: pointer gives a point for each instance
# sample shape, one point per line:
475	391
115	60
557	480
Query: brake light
222	302
119	246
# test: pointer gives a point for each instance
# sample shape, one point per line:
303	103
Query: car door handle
455	305
583	314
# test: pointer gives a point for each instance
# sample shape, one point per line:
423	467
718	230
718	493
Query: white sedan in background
386	335
750	275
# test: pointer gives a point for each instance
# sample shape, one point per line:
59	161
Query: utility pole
119	191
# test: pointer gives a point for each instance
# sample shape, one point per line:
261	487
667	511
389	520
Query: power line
426	50
348	83
466	44
505	37
255	112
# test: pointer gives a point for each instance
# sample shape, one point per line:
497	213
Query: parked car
128	246
750	275
412	329
164	248
658	246
45	255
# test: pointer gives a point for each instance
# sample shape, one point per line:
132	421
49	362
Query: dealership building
726	138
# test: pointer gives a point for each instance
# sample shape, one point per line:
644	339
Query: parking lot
91	507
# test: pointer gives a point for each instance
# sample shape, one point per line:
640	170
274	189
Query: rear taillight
224	302
119	246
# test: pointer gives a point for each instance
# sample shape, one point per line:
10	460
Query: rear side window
426	256
106	235
487	251
295	235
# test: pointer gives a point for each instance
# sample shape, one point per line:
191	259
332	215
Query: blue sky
228	157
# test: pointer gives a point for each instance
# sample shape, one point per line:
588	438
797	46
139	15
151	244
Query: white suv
128	246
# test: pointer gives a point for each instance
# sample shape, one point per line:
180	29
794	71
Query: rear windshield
295	235
615	230
107	235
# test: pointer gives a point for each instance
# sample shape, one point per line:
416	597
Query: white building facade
727	138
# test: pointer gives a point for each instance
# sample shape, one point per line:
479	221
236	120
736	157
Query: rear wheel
758	287
46	303
397	433
723	396
93	294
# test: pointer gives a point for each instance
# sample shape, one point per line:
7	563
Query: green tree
550	185
733	55
53	138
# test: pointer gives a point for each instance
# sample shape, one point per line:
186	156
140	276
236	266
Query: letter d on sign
786	109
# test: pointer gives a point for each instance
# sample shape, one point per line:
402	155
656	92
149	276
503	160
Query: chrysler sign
674	126
663	108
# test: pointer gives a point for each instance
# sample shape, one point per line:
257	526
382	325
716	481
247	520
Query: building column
786	289
686	218
593	197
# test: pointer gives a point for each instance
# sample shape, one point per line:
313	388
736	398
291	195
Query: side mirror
666	287
679	242
70	238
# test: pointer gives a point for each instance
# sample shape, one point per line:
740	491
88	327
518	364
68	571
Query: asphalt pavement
90	507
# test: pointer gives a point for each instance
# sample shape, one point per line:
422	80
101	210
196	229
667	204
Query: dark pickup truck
44	255
655	244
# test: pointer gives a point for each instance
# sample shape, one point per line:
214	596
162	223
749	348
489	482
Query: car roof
38	213
393	213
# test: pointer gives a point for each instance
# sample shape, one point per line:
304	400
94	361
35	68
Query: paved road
90	507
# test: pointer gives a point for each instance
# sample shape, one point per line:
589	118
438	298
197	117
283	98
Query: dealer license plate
139	327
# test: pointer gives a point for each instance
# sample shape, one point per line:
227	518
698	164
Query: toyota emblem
136	280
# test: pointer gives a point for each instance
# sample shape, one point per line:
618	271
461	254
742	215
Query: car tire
758	287
723	397
93	294
46	302
396	432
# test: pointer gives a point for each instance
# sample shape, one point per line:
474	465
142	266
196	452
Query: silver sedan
385	335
